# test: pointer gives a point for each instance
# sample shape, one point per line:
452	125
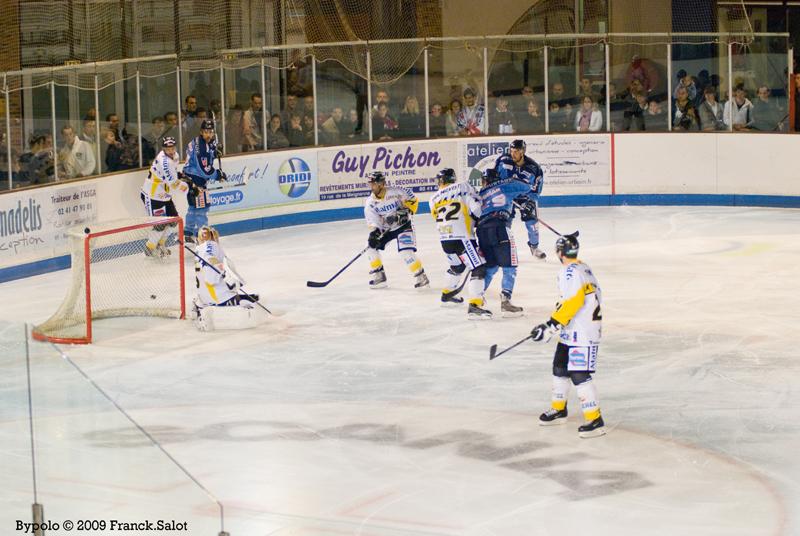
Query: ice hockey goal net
114	276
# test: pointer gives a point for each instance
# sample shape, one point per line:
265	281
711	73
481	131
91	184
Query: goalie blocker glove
543	332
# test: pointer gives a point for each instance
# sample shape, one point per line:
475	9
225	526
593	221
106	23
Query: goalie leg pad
232	317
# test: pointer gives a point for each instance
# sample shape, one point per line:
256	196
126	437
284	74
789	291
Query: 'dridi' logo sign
294	177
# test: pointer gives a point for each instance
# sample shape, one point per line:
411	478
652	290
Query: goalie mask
207	233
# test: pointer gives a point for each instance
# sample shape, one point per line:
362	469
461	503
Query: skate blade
450	304
379	285
597	432
509	314
554	422
479	317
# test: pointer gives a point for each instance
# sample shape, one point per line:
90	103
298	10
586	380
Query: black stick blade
492	352
316	284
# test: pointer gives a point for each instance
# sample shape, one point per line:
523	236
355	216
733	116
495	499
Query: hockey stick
494	353
222	185
320	284
539	220
201	259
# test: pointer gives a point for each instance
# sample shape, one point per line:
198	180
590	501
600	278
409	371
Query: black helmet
447	176
168	141
567	245
207	124
518	144
490	176
376	176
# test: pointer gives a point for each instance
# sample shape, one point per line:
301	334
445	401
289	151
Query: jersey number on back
448	212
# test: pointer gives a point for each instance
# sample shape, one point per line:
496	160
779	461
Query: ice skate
163	251
421	280
508	309
378	278
536	252
595	428
553	416
478	313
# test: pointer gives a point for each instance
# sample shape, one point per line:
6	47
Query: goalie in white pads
219	303
156	194
388	213
455	207
578	320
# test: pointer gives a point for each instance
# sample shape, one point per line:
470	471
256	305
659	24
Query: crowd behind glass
637	101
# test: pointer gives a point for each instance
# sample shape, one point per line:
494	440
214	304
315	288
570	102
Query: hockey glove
230	280
527	210
374	240
543	332
399	218
222	176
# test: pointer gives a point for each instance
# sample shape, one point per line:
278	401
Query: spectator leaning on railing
685	115
276	139
588	118
75	157
471	120
738	110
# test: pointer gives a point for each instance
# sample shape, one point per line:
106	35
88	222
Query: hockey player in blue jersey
494	233
199	170
515	165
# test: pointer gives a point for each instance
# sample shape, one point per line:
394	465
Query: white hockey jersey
376	210
211	286
454	208
579	309
163	178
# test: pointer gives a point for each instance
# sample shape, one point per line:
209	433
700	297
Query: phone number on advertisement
102	524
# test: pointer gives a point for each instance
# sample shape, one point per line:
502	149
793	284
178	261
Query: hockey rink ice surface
378	413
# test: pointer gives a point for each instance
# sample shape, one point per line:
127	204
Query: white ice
379	413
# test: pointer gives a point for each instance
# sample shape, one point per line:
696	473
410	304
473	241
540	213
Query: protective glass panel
159	104
398	101
700	67
456	78
759	73
75	124
201	99
242	80
119	148
576	74
516	87
340	91
638	76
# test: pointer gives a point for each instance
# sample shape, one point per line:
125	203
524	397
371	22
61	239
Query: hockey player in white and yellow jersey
219	303
578	320
455	207
388	213
161	182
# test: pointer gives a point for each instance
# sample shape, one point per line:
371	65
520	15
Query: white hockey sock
475	288
451	282
560	392
153	238
587	393
411	260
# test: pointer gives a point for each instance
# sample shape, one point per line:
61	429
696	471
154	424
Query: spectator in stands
295	135
114	151
234	130
450	118
276	139
382	96
89	135
768	116
739	110
686	80
411	121
558	95
308	129
39	161
532	122
331	133
170	125
518	104
75	157
559	119
291	109
655	119
471	120
349	126
633	118
381	123
710	111
189	115
215	111
502	119
588	118
644	71
151	144
587	90
252	125
308	107
438	128
684	117
112	124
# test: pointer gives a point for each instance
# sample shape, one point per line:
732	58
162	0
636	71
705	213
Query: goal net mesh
114	276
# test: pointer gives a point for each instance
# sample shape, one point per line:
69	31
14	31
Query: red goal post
112	275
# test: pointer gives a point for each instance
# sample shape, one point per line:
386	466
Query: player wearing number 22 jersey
455	208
